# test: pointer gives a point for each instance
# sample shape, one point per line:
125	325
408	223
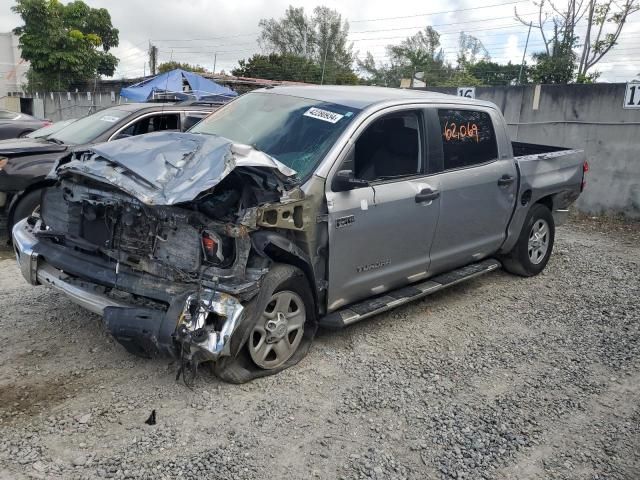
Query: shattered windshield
296	131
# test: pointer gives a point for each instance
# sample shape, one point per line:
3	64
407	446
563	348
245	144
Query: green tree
568	56
385	75
321	39
558	64
289	67
460	78
278	66
65	43
470	50
172	65
420	53
597	40
492	73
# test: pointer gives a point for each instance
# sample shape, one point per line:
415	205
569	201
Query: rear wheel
277	329
531	253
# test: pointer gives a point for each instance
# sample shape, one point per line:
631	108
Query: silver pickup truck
288	209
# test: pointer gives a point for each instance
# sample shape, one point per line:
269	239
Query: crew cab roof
364	96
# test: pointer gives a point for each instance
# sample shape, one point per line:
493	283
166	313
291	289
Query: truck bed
545	172
521	149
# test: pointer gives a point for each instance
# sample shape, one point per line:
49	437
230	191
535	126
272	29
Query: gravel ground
501	377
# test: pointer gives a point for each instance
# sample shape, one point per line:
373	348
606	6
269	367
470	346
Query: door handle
427	195
505	180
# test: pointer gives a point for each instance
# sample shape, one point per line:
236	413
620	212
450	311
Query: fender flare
276	247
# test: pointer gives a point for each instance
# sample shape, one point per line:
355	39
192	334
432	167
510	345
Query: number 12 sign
632	96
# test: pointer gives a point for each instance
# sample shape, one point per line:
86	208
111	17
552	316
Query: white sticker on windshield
324	115
109	118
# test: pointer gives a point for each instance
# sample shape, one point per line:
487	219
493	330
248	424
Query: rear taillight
585	169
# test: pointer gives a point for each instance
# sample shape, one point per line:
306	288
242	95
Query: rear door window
468	138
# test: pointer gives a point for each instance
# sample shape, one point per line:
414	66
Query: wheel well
282	250
547	202
19	196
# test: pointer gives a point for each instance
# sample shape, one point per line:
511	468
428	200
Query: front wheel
25	207
277	329
535	243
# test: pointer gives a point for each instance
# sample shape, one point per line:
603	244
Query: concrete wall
589	117
65	105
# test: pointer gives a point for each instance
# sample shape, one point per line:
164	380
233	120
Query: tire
532	251
246	363
25	207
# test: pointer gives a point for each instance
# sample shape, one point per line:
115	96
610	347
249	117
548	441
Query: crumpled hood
165	168
25	146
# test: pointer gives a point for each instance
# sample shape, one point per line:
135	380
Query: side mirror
345	181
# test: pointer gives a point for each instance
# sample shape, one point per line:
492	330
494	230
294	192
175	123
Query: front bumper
140	329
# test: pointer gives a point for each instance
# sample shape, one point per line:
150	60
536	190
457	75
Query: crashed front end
161	236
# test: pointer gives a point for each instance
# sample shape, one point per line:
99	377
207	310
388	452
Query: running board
373	306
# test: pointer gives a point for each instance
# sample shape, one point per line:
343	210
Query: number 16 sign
467	92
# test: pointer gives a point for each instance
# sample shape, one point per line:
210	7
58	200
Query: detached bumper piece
136	329
205	320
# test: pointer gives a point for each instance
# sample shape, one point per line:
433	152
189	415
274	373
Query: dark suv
25	163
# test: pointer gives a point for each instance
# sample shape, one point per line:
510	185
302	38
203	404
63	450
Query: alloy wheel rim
538	241
279	331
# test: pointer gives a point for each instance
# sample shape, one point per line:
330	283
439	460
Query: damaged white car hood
166	168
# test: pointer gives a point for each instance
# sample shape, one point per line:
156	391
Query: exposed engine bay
210	251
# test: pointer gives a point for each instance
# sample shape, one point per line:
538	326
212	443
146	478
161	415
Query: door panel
474	213
478	185
379	239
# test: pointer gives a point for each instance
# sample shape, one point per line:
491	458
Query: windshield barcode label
325	115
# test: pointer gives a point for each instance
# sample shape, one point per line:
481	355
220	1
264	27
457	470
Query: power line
352	21
437	13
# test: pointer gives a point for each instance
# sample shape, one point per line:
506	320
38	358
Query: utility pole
324	63
215	60
304	53
153	58
524	54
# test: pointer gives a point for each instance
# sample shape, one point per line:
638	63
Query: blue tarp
173	82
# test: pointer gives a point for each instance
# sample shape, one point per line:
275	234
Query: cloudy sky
197	31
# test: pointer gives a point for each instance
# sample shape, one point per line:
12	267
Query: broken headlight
212	247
